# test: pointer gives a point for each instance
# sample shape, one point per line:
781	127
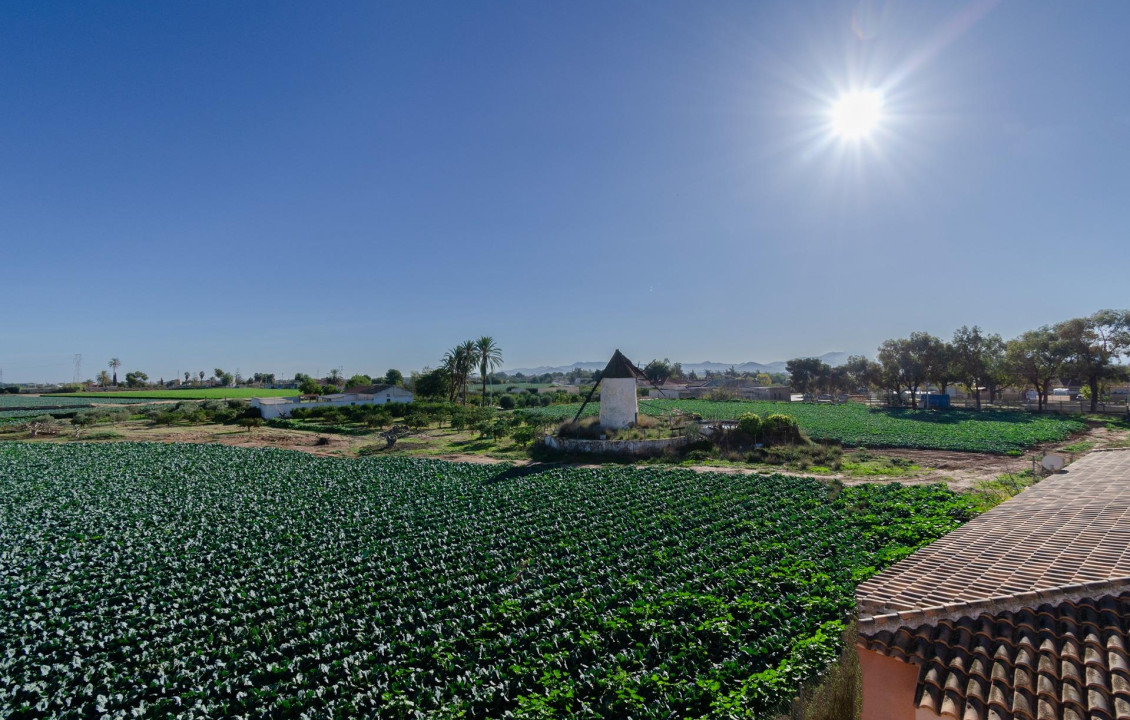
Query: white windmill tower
618	405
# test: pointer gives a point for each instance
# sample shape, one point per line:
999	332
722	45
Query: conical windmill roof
620	367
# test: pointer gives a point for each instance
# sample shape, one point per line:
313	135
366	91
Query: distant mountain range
832	358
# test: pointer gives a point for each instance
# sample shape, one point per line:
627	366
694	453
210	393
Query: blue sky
294	187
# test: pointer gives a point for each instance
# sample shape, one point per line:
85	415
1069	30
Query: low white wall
273	410
614	447
618	406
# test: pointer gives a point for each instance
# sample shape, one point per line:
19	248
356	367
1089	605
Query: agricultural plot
31	402
206	581
189	394
857	425
15	417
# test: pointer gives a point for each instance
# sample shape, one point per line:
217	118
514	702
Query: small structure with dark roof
618	405
1021	614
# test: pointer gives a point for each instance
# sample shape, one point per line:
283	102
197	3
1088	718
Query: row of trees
1086	351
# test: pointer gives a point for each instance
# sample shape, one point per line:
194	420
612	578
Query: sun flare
856	114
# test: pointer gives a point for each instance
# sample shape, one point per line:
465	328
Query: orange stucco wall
888	687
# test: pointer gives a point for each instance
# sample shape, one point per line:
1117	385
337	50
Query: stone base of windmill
631	448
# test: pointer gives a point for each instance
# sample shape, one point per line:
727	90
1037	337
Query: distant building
668	389
772	393
273	407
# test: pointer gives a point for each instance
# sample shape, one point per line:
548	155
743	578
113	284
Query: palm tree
114	364
489	356
451	365
469	355
459	361
201	374
186	377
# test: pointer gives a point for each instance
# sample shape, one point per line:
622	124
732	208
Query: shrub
524	434
779	428
750	424
42	425
506	402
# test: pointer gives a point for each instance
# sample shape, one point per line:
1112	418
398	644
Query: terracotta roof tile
1036	663
1069	534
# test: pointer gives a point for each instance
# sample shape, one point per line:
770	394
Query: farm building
746	391
273	407
1021	614
667	389
772	393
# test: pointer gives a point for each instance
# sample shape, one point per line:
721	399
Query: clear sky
279	187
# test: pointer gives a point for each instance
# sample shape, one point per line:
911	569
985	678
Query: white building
273	407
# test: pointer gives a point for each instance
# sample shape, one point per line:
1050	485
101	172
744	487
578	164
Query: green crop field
14	417
212	581
31	402
857	425
189	394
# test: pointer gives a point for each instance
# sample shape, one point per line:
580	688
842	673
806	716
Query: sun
856	114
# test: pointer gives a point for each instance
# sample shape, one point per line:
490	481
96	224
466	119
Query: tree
807	375
862	373
136	379
1037	357
335	377
907	362
1093	346
114	364
103	378
431	383
977	359
658	370
459	361
489	356
186	377
308	385
394	377
358	381
201	377
938	358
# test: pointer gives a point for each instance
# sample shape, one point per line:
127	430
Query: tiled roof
1067	537
1067	661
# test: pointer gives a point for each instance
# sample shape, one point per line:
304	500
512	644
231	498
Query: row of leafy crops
218	393
858	425
29	402
209	581
12	417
